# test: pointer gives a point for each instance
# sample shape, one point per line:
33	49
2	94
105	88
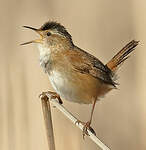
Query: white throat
45	54
44	51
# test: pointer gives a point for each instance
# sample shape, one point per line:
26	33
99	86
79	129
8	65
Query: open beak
37	40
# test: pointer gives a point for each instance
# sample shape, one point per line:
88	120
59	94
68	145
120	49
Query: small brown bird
76	75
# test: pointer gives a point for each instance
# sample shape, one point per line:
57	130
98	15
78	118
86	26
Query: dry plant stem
48	122
74	120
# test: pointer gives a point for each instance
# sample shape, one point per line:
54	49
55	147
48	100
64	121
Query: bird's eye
48	34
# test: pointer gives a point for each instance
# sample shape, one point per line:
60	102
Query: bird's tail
121	56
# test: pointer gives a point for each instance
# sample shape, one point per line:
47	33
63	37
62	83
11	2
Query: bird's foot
50	95
86	127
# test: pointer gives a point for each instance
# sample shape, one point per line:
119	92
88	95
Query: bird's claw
50	95
43	96
86	127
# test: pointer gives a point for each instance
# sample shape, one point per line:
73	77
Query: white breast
56	80
44	51
62	85
60	80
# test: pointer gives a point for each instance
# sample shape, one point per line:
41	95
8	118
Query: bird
75	74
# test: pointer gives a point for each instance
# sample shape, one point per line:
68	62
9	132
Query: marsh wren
76	75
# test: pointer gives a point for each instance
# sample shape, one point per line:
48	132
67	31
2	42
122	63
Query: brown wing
87	63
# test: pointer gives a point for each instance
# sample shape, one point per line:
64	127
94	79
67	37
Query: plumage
91	65
76	75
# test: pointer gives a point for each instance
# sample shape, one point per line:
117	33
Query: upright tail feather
121	56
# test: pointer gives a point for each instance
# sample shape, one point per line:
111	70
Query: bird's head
51	34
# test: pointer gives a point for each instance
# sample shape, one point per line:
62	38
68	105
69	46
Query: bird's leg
87	124
52	95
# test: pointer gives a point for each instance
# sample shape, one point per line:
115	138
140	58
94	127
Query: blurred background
100	27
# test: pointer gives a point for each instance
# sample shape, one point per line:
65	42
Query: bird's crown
51	25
